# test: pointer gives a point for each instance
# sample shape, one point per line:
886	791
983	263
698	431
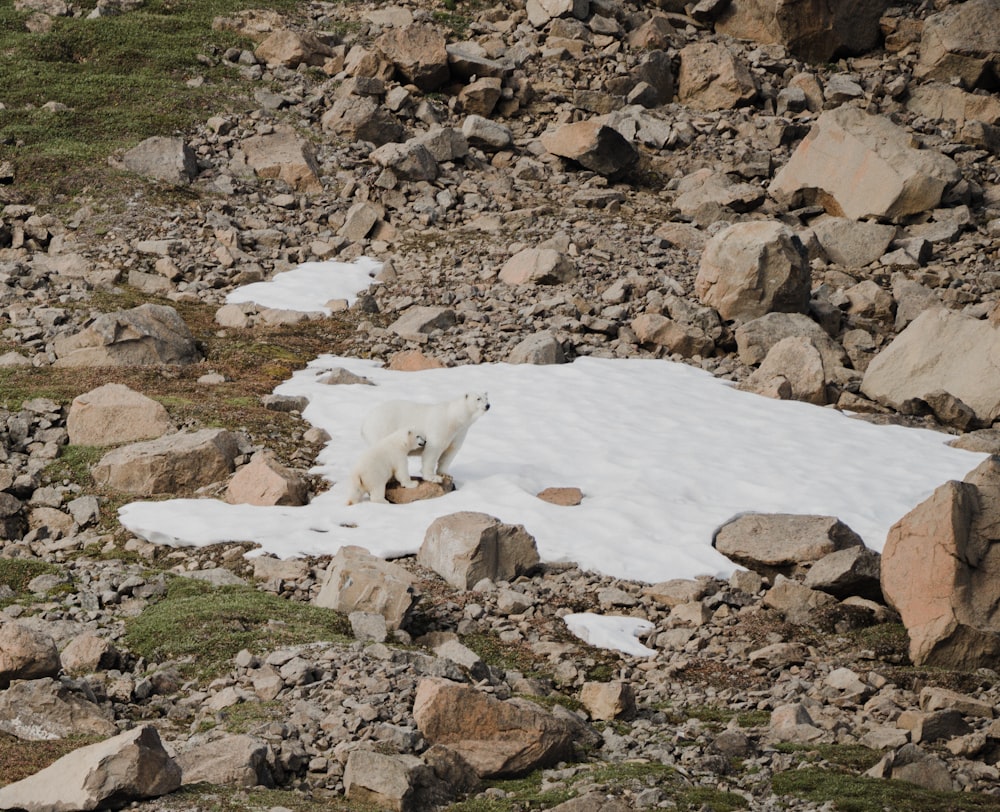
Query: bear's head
477	403
416	440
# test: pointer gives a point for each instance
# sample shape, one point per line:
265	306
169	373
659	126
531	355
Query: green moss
209	625
852	793
17	573
20	758
854	757
73	465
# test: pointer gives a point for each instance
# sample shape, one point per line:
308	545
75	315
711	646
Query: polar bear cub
444	425
380	463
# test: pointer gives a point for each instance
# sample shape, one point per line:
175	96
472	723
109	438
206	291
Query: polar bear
380	463
444	425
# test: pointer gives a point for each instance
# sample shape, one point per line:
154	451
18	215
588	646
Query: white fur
380	463
444	425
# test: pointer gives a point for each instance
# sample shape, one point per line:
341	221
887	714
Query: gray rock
163	158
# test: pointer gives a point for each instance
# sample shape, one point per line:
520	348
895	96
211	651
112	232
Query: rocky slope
551	180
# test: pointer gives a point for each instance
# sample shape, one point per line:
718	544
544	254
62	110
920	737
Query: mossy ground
17	573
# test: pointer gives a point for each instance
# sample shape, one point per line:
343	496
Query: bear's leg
429	463
402	474
449	453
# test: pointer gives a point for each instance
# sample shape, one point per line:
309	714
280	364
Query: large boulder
791	370
403	783
859	165
293	48
464	548
172	463
711	77
852	243
498	738
359	118
592	144
419	53
815	32
237	760
779	542
265	481
962	42
112	414
285	156
754	268
538	266
26	653
754	339
163	158
128	767
358	581
45	709
941	572
147	335
939	351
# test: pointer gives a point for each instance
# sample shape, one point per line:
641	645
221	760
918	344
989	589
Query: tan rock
537	266
497	738
464	548
480	96
419	54
963	42
565	497
113	414
396	494
128	767
227	760
413	361
26	653
712	78
592	144
357	581
265	481
45	709
608	700
796	360
940	350
940	571
87	653
859	165
293	48
782	540
169	464
945	102
686	340
418	321
754	268
164	158
285	156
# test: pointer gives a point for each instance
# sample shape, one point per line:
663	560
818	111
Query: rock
941	101
796	361
360	220
358	581
285	156
912	764
497	738
962	42
419	54
413	361
45	709
852	243
852	571
592	144
541	12
539	348
911	300
229	760
935	698
712	78
468	60
359	118
859	165
780	655
537	266
777	542
87	653
145	335
753	268
464	548
940	351
479	97
564	497
265	481
486	134
812	33
686	340
172	463
293	48
608	700
756	338
443	143
417	323
707	196
408	161
792	723
128	767
396	494
796	602
26	653
396	782
933	725
940	572
163	158
113	414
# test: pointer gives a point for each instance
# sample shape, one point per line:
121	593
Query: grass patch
248	717
19	758
123	78
526	793
206	626
73	465
854	757
212	798
17	573
508	656
853	793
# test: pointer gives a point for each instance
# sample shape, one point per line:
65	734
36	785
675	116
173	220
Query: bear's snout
487	407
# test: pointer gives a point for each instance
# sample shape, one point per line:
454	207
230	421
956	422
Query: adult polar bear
380	463
443	425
